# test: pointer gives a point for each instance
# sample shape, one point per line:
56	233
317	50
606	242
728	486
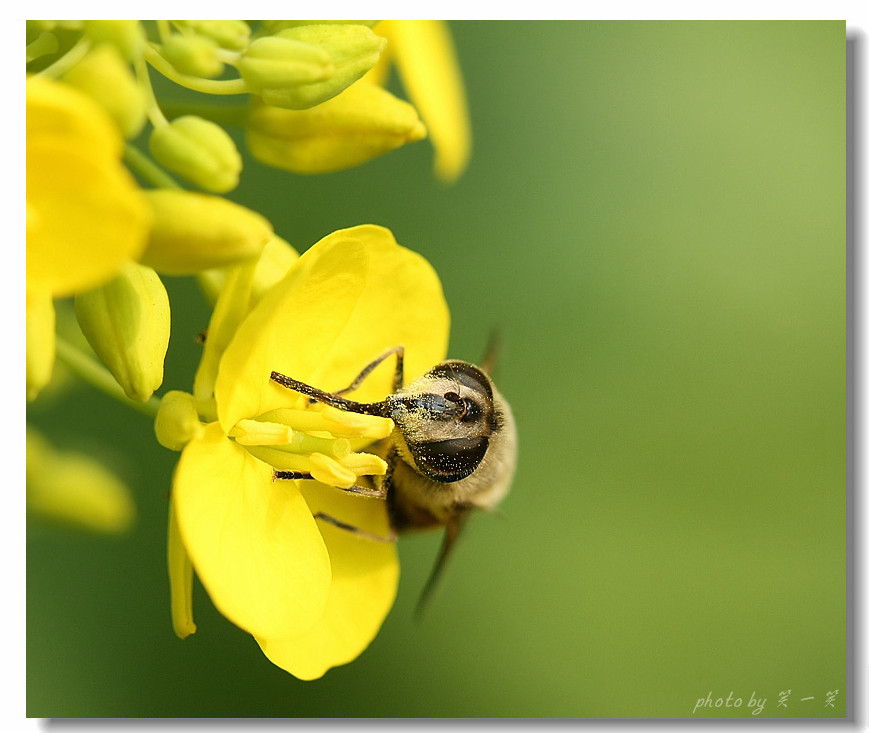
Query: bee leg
289	475
364	491
397	380
355	530
379	493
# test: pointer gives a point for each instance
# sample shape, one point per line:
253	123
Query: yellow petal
58	111
85	213
425	56
229	311
364	582
86	217
252	541
272	265
352	296
180	580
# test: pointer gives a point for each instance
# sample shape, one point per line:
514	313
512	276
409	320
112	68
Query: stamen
304	443
257	432
280	459
329	471
318	442
365	464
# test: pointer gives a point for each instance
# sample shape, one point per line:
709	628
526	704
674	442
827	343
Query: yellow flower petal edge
180	580
252	542
58	111
85	218
352	296
85	214
424	53
364	583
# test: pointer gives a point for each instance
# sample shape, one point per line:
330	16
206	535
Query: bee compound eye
449	460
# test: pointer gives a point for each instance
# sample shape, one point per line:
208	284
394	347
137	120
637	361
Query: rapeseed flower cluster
124	189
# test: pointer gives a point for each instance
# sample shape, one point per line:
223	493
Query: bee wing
493	348
451	532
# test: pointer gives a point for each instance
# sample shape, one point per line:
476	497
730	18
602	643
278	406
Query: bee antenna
454	526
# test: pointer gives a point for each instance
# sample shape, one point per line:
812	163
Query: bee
453	448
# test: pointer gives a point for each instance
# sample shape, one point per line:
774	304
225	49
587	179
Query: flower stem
98	376
147	168
68	60
197	84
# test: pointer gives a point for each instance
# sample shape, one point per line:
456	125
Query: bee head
446	418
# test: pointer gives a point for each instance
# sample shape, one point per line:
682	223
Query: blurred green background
654	216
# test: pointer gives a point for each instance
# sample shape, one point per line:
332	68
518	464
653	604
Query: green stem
147	168
98	376
197	84
68	60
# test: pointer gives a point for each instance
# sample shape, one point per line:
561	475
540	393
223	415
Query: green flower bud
104	76
192	232
126	322
177	420
199	150
274	62
75	489
230	34
126	35
39	342
274	26
193	55
353	50
359	124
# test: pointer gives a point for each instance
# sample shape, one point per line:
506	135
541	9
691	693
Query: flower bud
104	76
230	34
39	342
192	232
361	123
199	150
274	62
273	26
126	322
353	50
125	35
75	489
177	420
193	55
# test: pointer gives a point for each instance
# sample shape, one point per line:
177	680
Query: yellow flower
425	57
86	216
313	595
